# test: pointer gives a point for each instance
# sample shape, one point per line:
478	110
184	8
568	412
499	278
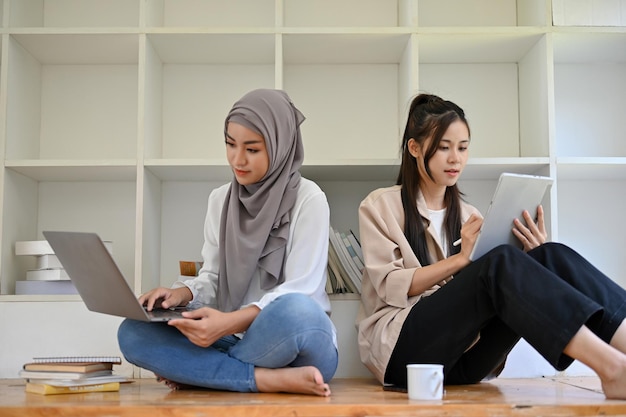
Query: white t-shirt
437	218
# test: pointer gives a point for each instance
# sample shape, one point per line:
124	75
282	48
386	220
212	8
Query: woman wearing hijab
261	319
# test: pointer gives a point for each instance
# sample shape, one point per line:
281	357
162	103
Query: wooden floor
350	397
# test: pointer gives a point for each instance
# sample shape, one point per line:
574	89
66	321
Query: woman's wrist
186	296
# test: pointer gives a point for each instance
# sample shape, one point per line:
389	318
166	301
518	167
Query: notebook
98	279
514	194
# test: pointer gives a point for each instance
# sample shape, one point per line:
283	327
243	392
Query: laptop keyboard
167	313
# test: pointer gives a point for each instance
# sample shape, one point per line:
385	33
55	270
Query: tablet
514	194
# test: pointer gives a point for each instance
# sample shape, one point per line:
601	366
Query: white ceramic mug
425	382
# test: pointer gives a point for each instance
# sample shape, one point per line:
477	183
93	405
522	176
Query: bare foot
301	380
614	384
606	360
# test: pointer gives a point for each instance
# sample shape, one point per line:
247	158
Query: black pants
544	296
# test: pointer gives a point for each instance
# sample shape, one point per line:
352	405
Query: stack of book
70	375
48	276
345	263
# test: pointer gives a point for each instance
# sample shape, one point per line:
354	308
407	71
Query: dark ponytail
429	117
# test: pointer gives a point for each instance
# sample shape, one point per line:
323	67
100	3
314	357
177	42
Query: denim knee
302	310
129	338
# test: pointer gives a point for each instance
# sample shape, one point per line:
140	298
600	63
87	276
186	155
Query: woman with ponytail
424	301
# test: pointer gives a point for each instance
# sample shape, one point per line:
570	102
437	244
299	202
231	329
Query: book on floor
76	369
71	374
115	360
81	382
46	389
63	375
69	366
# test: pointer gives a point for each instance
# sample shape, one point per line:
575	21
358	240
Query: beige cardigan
389	267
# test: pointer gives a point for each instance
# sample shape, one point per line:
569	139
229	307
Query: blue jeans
293	331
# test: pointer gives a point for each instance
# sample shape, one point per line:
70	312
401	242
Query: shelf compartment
74	13
105	207
485	13
500	80
176	222
210	13
192	82
72	97
351	88
590	86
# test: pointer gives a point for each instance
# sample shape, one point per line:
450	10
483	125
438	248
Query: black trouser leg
502	296
586	278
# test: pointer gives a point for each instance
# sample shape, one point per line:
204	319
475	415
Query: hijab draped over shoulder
254	225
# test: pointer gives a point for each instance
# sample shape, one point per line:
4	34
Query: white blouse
306	256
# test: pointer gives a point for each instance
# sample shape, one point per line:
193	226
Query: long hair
429	117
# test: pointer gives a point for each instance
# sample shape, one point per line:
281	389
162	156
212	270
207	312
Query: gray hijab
255	219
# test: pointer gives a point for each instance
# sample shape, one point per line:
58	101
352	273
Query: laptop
98	279
514	194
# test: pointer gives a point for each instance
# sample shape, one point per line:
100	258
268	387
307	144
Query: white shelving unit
111	120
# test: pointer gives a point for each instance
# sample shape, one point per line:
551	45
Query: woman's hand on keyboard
162	297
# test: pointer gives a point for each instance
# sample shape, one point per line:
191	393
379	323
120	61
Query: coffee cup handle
435	378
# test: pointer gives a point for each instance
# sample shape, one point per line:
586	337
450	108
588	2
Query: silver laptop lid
95	274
